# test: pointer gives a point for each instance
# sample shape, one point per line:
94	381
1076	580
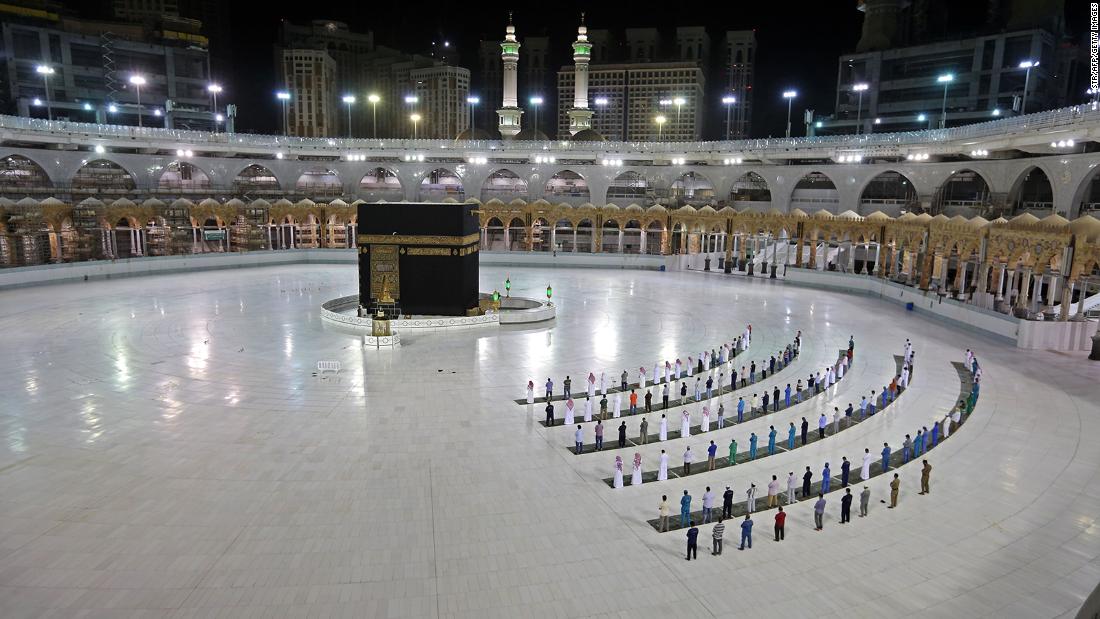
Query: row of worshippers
702	390
711	359
867	408
925	440
817	383
912	448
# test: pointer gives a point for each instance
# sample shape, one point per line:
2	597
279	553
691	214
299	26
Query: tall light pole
1026	66
536	101
46	71
860	87
374	99
728	101
946	80
679	102
349	100
214	89
415	118
789	95
284	96
660	120
138	81
473	101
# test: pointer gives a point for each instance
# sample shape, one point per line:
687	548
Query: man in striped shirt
716	533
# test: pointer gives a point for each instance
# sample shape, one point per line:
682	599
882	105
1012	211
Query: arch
654	237
632	237
691	189
504	185
19	173
584	236
319	181
890	192
750	192
494	234
256	179
184	177
103	177
611	237
517	233
965	192
541	234
381	184
1032	192
815	191
1086	198
441	184
567	186
630	186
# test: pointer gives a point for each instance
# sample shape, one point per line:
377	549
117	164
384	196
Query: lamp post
678	102
415	118
374	99
473	101
138	81
1026	66
46	71
284	96
860	87
549	293
728	101
660	120
507	286
536	101
349	100
789	95
946	80
214	89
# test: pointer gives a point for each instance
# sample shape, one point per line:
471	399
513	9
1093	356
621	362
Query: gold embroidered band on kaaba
412	239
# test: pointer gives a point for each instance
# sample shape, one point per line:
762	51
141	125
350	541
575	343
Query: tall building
92	62
740	63
363	68
441	92
976	61
628	98
509	115
693	45
310	78
642	45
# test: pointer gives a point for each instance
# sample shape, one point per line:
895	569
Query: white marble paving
167	452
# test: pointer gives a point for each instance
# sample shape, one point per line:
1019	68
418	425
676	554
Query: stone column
983	277
1025	288
507	237
798	254
813	252
926	270
1067	299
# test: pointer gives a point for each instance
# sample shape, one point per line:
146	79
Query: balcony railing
999	128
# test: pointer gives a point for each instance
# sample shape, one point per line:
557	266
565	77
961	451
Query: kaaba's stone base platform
514	310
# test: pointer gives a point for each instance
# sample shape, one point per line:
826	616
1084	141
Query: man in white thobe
791	485
750	499
865	472
618	402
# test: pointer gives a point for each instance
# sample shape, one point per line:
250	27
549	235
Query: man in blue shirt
693	538
746	532
826	478
790	436
740	410
549	389
752	446
685	509
771	441
787	396
885	457
845	467
712	451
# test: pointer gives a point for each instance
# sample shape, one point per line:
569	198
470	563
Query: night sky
798	42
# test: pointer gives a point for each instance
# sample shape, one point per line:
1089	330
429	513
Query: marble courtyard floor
168	451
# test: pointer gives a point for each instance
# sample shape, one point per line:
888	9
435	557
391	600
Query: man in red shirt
633	402
780	520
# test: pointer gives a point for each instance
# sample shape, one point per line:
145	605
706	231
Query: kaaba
418	258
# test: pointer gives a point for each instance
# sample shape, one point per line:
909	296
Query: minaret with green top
509	114
580	117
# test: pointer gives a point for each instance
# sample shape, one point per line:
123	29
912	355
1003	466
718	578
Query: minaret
509	113
580	117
